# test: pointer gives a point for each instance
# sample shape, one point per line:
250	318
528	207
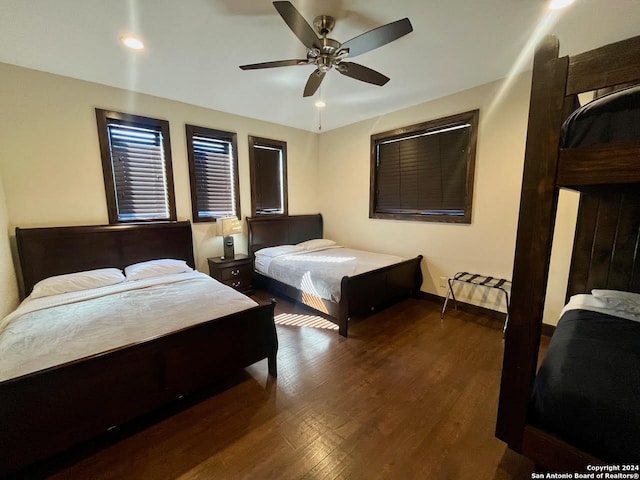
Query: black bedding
587	390
613	118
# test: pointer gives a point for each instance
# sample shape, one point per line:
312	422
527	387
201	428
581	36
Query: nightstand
235	272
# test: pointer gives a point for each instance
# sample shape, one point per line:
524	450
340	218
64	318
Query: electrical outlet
443	282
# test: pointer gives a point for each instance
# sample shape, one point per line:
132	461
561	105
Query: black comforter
613	118
587	390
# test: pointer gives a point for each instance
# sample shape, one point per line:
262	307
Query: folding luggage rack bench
501	284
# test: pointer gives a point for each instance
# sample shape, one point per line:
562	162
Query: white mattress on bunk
319	272
49	331
599	304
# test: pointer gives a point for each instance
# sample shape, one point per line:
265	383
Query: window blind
423	174
269	188
214	177
139	172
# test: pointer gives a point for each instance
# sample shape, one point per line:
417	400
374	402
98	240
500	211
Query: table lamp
226	227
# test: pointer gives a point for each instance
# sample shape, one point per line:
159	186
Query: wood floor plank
406	396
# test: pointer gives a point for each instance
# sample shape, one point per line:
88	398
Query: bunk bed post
533	244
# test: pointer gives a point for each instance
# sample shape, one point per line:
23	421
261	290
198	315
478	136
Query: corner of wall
8	279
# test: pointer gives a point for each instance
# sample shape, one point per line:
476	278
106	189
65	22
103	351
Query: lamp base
229	252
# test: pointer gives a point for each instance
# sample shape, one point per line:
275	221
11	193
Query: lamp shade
228	226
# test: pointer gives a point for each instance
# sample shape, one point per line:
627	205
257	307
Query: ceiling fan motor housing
324	24
329	45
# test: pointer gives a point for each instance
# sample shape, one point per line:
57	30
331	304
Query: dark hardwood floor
406	396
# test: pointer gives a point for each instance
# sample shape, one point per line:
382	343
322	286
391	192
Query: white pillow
618	300
156	268
316	243
74	282
279	250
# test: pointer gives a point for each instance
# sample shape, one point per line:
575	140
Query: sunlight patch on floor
299	320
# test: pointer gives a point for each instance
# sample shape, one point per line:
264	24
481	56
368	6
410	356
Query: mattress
587	390
319	272
54	330
613	118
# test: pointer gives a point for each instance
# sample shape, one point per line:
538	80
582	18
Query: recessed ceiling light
320	104
558	4
132	42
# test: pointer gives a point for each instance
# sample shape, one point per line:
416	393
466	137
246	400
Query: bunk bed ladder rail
533	244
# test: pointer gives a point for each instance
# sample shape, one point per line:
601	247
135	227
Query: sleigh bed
580	408
50	409
357	294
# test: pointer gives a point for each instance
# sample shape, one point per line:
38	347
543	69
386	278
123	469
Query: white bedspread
49	331
319	272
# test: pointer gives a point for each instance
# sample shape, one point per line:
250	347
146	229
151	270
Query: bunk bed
359	294
606	172
59	405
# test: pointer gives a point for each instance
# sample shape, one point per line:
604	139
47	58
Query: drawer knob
235	272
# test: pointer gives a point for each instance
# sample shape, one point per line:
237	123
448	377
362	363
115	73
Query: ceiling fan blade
362	73
315	79
377	37
298	24
279	63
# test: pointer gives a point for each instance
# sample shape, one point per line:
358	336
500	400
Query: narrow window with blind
136	164
213	171
425	172
268	169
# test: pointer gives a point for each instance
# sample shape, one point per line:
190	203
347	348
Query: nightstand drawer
239	284
235	273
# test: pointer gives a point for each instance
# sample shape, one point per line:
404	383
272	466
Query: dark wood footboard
370	291
49	411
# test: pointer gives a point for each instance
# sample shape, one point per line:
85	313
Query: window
425	172
136	164
213	171
268	162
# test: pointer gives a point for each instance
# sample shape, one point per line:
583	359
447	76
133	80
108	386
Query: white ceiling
194	48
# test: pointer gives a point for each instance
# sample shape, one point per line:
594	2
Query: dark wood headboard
282	230
45	252
606	251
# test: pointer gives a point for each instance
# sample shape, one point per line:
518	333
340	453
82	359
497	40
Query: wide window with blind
268	168
425	172
213	171
136	164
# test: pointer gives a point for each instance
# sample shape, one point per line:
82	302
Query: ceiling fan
326	53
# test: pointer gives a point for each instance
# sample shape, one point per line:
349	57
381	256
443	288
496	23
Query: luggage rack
501	284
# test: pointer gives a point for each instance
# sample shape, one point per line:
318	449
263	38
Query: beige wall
566	216
51	162
9	300
487	244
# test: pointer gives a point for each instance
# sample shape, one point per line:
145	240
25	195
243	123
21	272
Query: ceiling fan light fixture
559	4
320	103
132	42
